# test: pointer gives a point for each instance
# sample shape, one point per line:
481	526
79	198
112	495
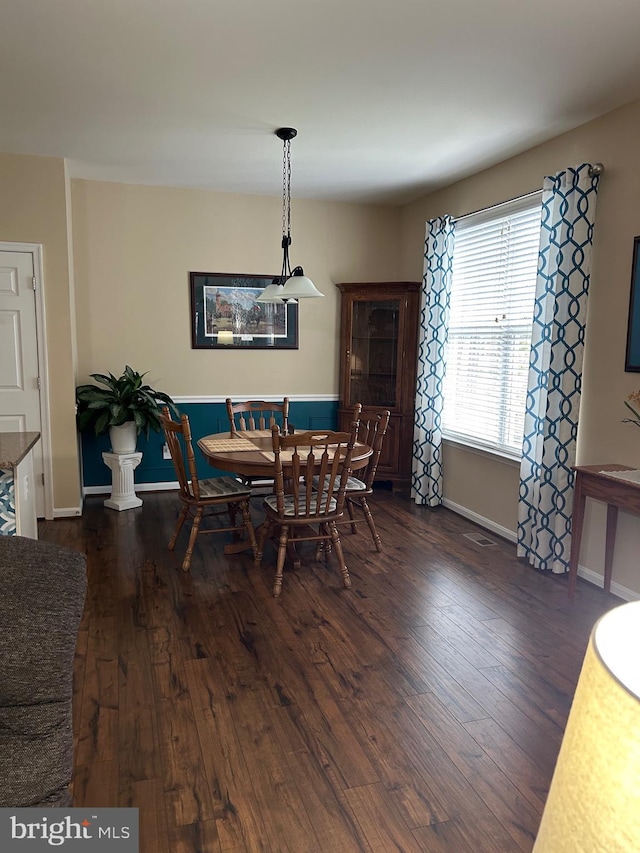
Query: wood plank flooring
422	710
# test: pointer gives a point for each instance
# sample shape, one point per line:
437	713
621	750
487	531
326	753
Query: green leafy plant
635	399
122	399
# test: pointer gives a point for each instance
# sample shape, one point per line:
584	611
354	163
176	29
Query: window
495	260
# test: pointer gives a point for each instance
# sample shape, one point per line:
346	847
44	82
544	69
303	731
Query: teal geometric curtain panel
555	368
7	503
426	478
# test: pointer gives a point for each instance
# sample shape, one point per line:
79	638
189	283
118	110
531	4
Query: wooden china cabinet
378	351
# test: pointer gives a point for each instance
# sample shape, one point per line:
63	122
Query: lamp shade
300	287
271	293
594	800
225	338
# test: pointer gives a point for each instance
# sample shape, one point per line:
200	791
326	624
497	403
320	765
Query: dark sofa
42	591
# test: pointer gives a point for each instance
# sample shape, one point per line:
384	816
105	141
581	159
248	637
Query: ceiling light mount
292	284
286	134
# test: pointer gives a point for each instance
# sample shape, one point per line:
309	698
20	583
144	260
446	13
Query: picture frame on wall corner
225	313
632	361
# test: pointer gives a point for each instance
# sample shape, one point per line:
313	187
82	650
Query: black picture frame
632	361
226	315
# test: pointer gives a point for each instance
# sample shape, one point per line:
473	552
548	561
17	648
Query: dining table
249	453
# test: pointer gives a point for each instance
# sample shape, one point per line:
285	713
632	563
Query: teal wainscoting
205	418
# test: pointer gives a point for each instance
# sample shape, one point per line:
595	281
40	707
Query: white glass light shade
225	338
271	293
594	799
300	287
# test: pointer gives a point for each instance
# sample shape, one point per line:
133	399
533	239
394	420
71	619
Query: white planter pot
123	438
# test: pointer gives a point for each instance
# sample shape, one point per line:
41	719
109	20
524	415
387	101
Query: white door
19	373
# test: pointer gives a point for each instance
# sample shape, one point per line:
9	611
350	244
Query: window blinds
491	313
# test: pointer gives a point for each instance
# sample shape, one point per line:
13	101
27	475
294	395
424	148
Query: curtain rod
499	204
596	169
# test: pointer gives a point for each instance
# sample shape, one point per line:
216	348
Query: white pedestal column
122	466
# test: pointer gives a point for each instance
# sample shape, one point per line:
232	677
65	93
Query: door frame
35	250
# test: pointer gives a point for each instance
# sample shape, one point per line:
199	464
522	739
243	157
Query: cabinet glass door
374	352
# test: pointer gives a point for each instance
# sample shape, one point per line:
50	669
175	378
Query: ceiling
391	99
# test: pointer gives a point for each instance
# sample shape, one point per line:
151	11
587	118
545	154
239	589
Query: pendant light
292	284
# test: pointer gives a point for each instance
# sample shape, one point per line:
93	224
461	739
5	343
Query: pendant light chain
286	188
291	285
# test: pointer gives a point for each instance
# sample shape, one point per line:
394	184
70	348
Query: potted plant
635	409
123	406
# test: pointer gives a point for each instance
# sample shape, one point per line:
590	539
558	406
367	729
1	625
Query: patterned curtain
426	479
555	368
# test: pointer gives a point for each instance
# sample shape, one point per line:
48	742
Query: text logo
112	830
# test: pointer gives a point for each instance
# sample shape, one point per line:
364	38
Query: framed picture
225	313
632	363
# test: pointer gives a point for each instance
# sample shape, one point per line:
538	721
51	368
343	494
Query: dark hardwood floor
422	710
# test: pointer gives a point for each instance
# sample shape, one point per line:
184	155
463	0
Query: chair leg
231	509
352	515
186	563
324	547
282	553
293	551
372	527
321	553
181	519
337	544
246	515
264	533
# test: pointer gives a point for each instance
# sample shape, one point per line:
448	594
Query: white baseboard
138	487
616	588
498	529
67	511
588	575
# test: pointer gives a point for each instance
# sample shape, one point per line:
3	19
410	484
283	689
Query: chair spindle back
257	414
326	454
176	435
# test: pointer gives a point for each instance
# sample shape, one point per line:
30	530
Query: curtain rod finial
596	169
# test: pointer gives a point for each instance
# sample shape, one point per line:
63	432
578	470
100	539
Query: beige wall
615	141
130	249
34	210
134	249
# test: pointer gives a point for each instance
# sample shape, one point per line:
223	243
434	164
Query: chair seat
353	484
289	506
218	487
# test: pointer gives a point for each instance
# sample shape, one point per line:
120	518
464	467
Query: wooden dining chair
258	414
372	429
297	512
203	498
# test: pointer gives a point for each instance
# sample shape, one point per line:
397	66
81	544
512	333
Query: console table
591	482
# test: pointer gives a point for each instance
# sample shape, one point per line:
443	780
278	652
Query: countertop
14	446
